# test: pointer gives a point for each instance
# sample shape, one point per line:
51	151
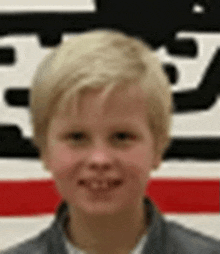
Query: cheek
63	161
138	163
140	156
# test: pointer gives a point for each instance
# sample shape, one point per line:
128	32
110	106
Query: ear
156	161
44	159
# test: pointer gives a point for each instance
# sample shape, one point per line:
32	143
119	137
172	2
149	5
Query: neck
107	232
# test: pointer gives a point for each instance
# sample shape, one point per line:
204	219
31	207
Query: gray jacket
163	237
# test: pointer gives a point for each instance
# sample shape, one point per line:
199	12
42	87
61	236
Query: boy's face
112	141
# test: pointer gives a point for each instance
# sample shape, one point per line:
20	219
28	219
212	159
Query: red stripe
22	198
185	196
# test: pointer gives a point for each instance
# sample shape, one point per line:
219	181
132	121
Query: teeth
98	185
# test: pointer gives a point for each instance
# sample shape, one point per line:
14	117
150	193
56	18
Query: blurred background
186	37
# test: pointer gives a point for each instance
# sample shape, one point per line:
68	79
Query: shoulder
50	240
187	241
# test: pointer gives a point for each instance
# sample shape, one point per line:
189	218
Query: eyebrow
119	125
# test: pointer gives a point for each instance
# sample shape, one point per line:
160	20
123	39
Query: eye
124	136
77	136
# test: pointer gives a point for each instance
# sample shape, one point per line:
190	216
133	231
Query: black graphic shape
171	72
17	97
156	21
206	95
12	144
50	38
194	148
183	47
7	56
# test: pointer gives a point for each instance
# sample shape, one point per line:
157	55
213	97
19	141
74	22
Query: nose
100	159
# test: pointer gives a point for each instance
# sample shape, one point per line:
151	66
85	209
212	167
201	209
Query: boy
101	110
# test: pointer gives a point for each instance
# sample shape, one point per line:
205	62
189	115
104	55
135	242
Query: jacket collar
155	231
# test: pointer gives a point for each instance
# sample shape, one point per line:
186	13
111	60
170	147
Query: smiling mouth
101	185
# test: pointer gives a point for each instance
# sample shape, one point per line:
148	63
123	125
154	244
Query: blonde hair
100	59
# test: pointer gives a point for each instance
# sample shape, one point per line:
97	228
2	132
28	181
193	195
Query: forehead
123	103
